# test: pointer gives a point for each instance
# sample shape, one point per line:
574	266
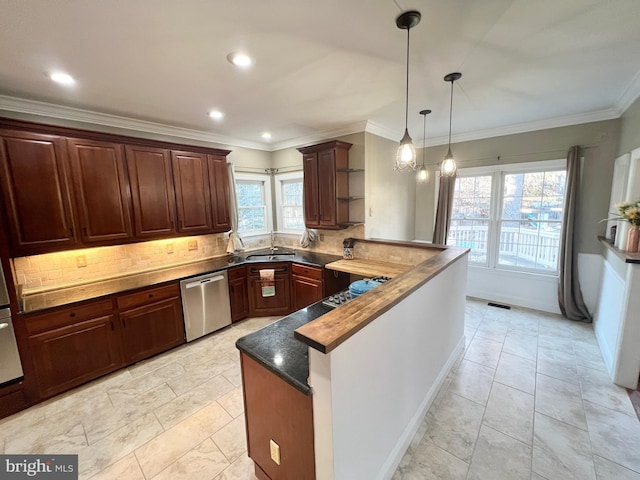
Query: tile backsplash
63	269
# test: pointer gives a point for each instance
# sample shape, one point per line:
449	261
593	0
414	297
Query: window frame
265	179
498	173
279	179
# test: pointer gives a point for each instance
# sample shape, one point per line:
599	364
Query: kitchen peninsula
339	394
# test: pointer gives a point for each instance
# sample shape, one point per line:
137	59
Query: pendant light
406	155
423	174
448	167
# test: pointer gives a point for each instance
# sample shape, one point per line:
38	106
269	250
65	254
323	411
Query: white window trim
497	172
279	178
266	180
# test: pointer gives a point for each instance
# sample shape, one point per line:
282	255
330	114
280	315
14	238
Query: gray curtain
235	240
570	298
309	236
445	208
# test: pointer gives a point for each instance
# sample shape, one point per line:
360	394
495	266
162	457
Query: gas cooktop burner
344	296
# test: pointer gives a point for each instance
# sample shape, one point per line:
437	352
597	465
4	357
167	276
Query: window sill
514	273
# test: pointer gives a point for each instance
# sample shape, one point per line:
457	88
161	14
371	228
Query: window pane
291	205
251	219
471	210
530	246
531	220
252	210
471	234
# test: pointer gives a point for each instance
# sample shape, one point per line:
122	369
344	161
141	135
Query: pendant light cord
450	114
406	102
424	138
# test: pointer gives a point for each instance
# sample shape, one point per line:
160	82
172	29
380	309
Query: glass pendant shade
406	155
448	167
423	175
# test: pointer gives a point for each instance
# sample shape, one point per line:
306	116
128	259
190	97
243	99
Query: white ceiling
326	65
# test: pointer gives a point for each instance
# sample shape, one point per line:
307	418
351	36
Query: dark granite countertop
275	347
41	300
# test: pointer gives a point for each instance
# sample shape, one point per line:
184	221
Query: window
254	194
510	216
289	202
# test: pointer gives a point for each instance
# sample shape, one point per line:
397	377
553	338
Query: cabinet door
280	303
151	191
151	329
36	192
306	291
238	293
101	186
219	184
327	188
74	354
310	189
193	199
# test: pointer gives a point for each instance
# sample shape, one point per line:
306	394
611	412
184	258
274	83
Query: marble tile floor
176	416
529	398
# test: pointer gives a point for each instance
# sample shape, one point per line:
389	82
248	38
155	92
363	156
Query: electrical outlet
169	247
81	261
322	237
275	451
193	244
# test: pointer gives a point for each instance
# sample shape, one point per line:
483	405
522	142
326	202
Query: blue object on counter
362	286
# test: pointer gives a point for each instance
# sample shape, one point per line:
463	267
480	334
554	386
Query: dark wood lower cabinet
238	293
276	411
74	354
151	321
81	342
278	304
307	286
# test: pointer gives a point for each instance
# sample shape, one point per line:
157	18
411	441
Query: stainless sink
270	256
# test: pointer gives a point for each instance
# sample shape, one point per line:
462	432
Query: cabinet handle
283	269
151	295
124	322
112	328
71	231
84	231
72	314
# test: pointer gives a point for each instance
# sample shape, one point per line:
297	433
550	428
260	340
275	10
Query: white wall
371	393
390	203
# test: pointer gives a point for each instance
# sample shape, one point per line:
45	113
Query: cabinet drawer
147	296
278	268
237	272
306	271
67	316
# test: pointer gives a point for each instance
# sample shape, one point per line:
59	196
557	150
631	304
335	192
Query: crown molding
630	95
350	129
33	107
44	109
568	120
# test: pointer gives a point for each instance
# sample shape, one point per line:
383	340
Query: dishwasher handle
197	283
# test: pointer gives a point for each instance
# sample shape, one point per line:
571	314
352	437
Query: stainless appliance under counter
205	304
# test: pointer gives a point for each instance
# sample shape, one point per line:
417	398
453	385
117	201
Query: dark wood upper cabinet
35	187
101	187
152	192
219	184
193	196
326	184
310	189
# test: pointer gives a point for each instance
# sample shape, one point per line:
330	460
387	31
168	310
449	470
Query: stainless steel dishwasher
205	304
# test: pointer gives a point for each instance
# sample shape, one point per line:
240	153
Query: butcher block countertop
330	330
368	268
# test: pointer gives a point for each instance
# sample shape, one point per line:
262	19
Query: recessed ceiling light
62	78
216	114
266	136
239	59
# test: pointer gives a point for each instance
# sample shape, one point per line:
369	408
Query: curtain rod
517	155
270	171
